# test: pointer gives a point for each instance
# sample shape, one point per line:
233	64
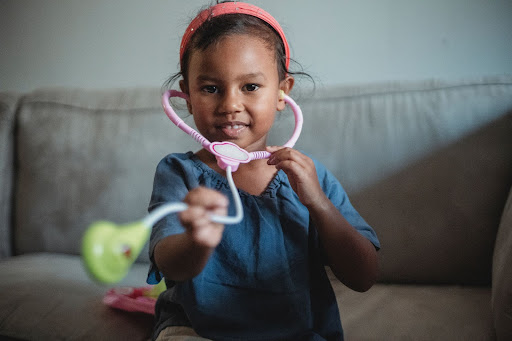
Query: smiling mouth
236	126
232	129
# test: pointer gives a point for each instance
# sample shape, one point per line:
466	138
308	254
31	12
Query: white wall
121	43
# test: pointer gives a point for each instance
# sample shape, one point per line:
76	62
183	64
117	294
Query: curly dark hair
217	27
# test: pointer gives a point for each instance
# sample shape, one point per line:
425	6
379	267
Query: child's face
233	89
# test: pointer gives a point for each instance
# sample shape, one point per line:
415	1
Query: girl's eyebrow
206	77
253	75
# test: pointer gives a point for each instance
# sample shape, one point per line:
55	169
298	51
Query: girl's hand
352	258
301	173
196	219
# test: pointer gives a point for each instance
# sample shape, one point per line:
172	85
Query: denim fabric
266	279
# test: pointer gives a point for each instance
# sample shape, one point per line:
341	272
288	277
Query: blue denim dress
266	279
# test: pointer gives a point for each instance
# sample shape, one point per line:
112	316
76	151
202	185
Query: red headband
229	8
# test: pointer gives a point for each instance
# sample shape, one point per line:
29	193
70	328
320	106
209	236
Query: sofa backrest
7	114
85	156
427	164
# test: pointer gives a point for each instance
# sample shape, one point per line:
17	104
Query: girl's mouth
232	130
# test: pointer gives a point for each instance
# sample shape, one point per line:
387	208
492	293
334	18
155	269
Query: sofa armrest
502	275
8	103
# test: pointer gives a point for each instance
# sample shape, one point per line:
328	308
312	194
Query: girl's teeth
234	127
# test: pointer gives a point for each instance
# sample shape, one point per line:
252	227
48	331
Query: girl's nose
231	102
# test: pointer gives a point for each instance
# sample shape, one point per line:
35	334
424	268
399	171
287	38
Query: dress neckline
220	181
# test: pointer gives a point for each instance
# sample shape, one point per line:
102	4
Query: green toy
109	250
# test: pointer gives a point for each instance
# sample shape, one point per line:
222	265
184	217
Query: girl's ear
184	89
285	86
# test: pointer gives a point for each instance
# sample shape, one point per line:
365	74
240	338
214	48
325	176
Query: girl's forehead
240	41
234	52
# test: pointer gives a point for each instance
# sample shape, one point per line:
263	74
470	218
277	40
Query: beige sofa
427	163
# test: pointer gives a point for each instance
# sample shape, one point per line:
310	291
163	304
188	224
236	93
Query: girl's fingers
203	202
200	228
301	172
194	216
290	166
207	198
280	154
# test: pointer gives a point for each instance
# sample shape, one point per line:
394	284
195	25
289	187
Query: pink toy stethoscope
229	155
109	251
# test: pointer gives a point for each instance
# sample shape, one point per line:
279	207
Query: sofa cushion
502	275
50	297
84	156
416	312
7	114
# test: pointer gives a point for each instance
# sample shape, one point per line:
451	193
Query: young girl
264	278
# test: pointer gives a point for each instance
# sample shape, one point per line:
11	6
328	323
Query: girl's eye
251	87
210	89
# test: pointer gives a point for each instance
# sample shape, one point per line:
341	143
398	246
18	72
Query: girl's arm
352	257
183	256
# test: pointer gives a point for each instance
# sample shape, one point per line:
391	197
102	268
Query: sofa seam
67	105
419	90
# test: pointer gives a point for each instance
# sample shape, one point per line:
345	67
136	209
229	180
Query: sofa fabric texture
58	302
427	163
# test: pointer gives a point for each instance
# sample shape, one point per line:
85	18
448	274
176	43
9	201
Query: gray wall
123	43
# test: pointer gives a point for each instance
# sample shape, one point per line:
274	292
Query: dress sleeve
335	192
169	185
